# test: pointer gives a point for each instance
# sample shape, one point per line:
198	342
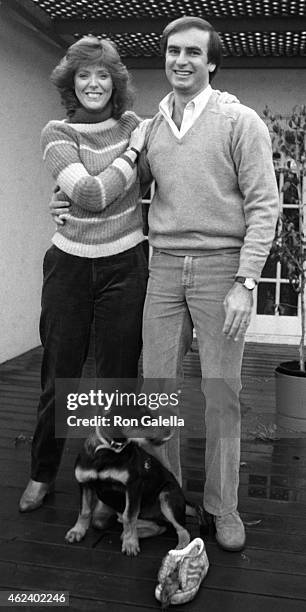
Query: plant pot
290	391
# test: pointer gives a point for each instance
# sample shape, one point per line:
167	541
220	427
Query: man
211	224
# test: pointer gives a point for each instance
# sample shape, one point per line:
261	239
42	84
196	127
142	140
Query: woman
96	269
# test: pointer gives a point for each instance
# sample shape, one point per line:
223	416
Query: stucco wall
27	102
280	89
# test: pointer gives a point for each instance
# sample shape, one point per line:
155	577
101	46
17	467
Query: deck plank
268	575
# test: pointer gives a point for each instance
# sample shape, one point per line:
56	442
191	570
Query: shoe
181	574
230	532
33	495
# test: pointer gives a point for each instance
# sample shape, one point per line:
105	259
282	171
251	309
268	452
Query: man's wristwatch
248	283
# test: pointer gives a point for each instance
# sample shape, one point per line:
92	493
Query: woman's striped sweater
88	162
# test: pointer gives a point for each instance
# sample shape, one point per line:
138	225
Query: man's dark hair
214	51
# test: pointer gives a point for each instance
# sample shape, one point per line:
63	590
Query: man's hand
238	309
138	136
58	207
227	98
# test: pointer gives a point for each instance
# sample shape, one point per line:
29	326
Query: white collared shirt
192	110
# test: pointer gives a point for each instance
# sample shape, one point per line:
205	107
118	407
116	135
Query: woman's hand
138	136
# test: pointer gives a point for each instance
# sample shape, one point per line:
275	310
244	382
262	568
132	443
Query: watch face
249	283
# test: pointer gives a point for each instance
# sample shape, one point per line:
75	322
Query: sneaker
181	574
230	532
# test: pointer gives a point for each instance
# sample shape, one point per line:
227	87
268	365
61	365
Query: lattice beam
145	25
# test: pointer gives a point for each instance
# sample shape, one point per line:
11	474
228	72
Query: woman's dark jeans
107	292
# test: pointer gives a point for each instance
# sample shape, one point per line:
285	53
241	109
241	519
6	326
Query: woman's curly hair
92	50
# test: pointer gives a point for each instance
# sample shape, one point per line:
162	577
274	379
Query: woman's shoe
33	495
181	573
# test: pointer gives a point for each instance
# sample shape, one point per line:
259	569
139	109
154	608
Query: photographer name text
119	421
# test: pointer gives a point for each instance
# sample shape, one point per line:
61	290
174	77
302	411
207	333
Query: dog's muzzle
108	443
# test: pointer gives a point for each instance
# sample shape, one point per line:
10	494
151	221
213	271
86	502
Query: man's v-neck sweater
87	161
215	187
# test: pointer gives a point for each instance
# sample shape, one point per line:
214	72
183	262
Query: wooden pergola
261	34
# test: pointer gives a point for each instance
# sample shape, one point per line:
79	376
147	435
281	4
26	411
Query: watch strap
244	280
135	151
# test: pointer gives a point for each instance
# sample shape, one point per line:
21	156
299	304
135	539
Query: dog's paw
74	535
130	547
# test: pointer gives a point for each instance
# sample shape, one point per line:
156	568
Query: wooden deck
269	575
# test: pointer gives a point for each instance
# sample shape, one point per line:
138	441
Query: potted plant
288	136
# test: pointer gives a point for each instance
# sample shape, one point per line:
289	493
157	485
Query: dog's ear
91	443
98	434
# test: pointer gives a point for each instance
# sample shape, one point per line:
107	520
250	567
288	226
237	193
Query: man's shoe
33	495
230	532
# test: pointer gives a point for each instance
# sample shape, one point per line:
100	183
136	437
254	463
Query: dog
130	482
